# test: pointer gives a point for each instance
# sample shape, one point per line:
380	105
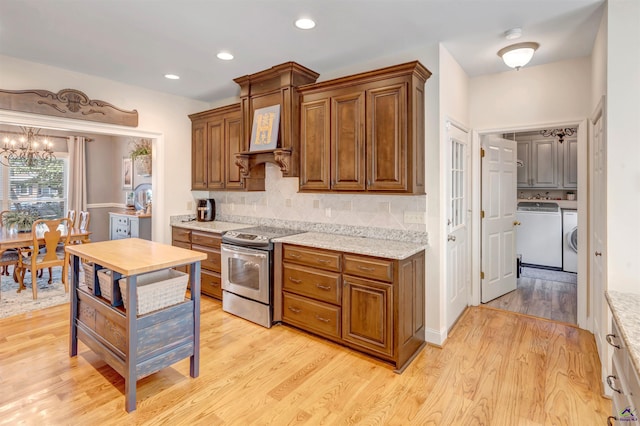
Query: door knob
451	237
598	253
516	223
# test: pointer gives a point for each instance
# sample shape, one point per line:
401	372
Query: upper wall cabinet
547	164
216	138
364	132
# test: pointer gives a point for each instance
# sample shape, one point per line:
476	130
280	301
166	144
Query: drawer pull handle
609	338
323	260
364	268
319	318
294	255
323	287
610	380
293	280
295	310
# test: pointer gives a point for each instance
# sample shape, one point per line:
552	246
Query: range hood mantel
277	85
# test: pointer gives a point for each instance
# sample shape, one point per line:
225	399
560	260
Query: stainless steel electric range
247	272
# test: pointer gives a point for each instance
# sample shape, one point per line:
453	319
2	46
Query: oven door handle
233	250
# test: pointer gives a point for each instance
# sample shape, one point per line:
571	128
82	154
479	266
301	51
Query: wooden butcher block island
134	345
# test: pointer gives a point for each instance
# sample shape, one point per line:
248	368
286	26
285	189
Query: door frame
583	315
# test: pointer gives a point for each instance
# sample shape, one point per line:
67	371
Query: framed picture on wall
127	173
265	130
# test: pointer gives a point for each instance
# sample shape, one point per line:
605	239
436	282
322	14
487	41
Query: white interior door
499	222
458	220
598	197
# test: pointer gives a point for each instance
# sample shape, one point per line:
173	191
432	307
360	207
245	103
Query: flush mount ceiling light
518	55
305	23
225	56
172	76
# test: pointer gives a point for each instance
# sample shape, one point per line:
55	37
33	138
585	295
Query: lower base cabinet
371	304
209	244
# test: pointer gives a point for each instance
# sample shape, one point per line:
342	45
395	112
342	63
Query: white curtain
77	174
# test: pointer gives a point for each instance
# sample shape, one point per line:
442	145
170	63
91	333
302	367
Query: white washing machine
539	236
570	240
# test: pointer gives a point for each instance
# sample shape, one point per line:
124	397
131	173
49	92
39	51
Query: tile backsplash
281	201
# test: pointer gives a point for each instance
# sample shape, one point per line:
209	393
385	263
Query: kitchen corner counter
214	226
625	308
360	245
131	212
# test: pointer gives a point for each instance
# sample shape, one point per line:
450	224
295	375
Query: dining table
10	239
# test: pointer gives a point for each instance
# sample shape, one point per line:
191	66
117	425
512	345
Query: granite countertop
625	308
360	245
214	226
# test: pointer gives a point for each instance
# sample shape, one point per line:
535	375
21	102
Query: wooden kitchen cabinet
216	138
209	244
570	163
371	304
365	132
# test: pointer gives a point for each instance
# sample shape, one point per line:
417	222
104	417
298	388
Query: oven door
245	272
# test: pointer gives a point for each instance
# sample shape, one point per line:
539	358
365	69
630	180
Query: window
42	188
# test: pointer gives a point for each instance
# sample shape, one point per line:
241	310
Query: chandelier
559	133
28	147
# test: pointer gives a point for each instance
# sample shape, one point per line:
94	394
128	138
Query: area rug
549	275
13	303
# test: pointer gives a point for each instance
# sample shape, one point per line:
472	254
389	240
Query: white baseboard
435	337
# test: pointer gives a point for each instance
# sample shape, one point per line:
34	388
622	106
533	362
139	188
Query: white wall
623	145
556	92
162	116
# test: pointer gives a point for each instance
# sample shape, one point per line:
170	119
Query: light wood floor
540	298
496	368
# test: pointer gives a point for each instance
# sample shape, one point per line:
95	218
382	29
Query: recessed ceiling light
305	23
225	56
172	76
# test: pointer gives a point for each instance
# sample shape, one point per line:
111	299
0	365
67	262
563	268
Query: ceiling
138	41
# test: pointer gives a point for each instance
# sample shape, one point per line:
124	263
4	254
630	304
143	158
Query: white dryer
570	240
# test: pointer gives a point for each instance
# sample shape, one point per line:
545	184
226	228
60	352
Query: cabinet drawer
210	284
180	234
181	244
212	262
369	267
311	315
320	285
319	258
206	239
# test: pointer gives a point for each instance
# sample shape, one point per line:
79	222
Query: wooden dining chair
41	256
71	214
8	257
84	218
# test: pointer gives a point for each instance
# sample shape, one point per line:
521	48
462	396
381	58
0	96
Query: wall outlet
189	205
415	217
327	212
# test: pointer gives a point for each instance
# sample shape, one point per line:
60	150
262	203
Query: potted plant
141	156
20	220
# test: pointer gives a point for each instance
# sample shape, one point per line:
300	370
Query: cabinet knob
451	237
598	253
517	223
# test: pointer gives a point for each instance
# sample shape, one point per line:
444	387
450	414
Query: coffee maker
206	210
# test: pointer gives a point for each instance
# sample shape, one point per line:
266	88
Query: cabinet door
314	145
199	155
544	155
524	164
233	144
570	170
134	227
367	315
387	138
215	154
348	142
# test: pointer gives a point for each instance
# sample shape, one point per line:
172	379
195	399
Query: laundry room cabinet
546	164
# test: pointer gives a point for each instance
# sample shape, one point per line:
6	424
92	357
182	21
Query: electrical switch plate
415	217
